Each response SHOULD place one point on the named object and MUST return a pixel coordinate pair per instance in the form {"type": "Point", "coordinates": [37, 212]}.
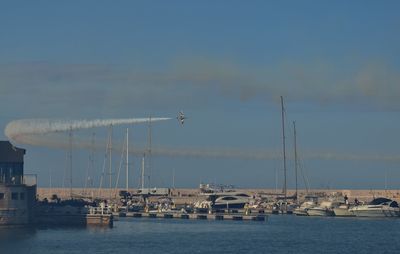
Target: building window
{"type": "Point", "coordinates": [1, 196]}
{"type": "Point", "coordinates": [22, 196]}
{"type": "Point", "coordinates": [14, 196]}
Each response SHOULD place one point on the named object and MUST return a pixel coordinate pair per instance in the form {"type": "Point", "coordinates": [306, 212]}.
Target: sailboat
{"type": "Point", "coordinates": [284, 205]}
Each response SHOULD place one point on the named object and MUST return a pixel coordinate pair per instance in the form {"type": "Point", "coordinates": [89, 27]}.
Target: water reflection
{"type": "Point", "coordinates": [15, 239]}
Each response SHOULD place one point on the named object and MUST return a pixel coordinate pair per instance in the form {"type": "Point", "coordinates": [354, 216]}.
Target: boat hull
{"type": "Point", "coordinates": [375, 212]}
{"type": "Point", "coordinates": [300, 212]}
{"type": "Point", "coordinates": [343, 212]}
{"type": "Point", "coordinates": [319, 212]}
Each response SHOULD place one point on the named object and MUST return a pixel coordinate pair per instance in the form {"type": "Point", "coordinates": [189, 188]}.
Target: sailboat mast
{"type": "Point", "coordinates": [110, 159]}
{"type": "Point", "coordinates": [70, 160]}
{"type": "Point", "coordinates": [173, 178]}
{"type": "Point", "coordinates": [142, 178]}
{"type": "Point", "coordinates": [295, 154]}
{"type": "Point", "coordinates": [284, 150]}
{"type": "Point", "coordinates": [149, 152]}
{"type": "Point", "coordinates": [127, 159]}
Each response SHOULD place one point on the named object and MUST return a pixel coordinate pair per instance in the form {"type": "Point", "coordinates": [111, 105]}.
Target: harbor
{"type": "Point", "coordinates": [178, 127]}
{"type": "Point", "coordinates": [246, 204]}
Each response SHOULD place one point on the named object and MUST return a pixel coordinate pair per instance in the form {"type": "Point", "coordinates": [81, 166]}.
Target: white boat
{"type": "Point", "coordinates": [379, 207]}
{"type": "Point", "coordinates": [311, 201]}
{"type": "Point", "coordinates": [324, 209]}
{"type": "Point", "coordinates": [343, 210]}
{"type": "Point", "coordinates": [231, 201]}
{"type": "Point", "coordinates": [224, 200]}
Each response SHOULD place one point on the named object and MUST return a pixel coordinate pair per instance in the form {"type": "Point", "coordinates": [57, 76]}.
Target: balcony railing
{"type": "Point", "coordinates": [29, 180]}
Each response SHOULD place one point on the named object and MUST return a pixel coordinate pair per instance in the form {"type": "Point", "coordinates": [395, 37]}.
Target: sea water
{"type": "Point", "coordinates": [280, 234]}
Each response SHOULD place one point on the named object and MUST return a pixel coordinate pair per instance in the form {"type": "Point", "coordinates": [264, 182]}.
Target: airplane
{"type": "Point", "coordinates": [181, 117]}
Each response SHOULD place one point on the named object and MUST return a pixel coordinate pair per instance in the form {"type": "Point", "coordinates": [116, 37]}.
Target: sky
{"type": "Point", "coordinates": [225, 64]}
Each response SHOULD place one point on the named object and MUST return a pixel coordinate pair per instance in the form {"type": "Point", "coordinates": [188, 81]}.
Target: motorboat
{"type": "Point", "coordinates": [224, 200]}
{"type": "Point", "coordinates": [283, 207]}
{"type": "Point", "coordinates": [324, 209]}
{"type": "Point", "coordinates": [379, 207]}
{"type": "Point", "coordinates": [235, 201]}
{"type": "Point", "coordinates": [310, 201]}
{"type": "Point", "coordinates": [343, 210]}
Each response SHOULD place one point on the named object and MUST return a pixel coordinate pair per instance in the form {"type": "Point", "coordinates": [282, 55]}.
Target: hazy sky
{"type": "Point", "coordinates": [225, 63]}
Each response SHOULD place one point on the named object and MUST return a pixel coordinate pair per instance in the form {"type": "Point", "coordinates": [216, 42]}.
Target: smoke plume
{"type": "Point", "coordinates": [22, 130]}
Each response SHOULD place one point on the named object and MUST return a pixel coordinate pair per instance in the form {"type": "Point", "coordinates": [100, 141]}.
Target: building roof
{"type": "Point", "coordinates": [10, 153]}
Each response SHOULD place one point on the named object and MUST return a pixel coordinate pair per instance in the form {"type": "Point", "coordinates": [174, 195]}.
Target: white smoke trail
{"type": "Point", "coordinates": [38, 132]}
{"type": "Point", "coordinates": [19, 130]}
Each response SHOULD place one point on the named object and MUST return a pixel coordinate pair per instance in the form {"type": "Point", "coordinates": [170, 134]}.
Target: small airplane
{"type": "Point", "coordinates": [181, 117]}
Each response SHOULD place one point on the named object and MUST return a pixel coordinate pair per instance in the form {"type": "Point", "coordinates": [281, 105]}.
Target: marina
{"type": "Point", "coordinates": [30, 206]}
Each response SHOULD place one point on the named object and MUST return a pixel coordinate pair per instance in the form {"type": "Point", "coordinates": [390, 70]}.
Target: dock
{"type": "Point", "coordinates": [194, 216]}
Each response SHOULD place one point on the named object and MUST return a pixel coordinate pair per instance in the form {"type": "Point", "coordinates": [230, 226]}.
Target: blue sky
{"type": "Point", "coordinates": [225, 63]}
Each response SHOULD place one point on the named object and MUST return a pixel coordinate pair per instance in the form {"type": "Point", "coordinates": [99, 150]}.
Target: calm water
{"type": "Point", "coordinates": [281, 234]}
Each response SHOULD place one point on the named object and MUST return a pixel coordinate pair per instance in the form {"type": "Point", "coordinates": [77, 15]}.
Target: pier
{"type": "Point", "coordinates": [195, 216]}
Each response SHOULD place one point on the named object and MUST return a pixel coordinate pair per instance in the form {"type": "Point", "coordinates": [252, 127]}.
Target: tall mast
{"type": "Point", "coordinates": [284, 150]}
{"type": "Point", "coordinates": [149, 153]}
{"type": "Point", "coordinates": [142, 178]}
{"type": "Point", "coordinates": [90, 168]}
{"type": "Point", "coordinates": [110, 159]}
{"type": "Point", "coordinates": [50, 183]}
{"type": "Point", "coordinates": [173, 178]}
{"type": "Point", "coordinates": [70, 161]}
{"type": "Point", "coordinates": [127, 159]}
{"type": "Point", "coordinates": [386, 180]}
{"type": "Point", "coordinates": [295, 154]}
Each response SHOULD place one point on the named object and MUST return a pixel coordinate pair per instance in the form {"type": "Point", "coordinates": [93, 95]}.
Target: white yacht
{"type": "Point", "coordinates": [324, 209]}
{"type": "Point", "coordinates": [310, 201]}
{"type": "Point", "coordinates": [224, 200]}
{"type": "Point", "coordinates": [379, 207]}
{"type": "Point", "coordinates": [231, 201]}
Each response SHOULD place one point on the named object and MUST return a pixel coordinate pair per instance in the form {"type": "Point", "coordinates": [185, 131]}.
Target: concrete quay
{"type": "Point", "coordinates": [195, 216]}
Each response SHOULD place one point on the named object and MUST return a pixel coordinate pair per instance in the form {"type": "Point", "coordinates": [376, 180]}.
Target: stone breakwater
{"type": "Point", "coordinates": [182, 196]}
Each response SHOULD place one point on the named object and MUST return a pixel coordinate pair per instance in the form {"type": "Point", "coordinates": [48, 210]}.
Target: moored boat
{"type": "Point", "coordinates": [324, 209]}
{"type": "Point", "coordinates": [379, 207]}
{"type": "Point", "coordinates": [311, 201]}
{"type": "Point", "coordinates": [343, 210]}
